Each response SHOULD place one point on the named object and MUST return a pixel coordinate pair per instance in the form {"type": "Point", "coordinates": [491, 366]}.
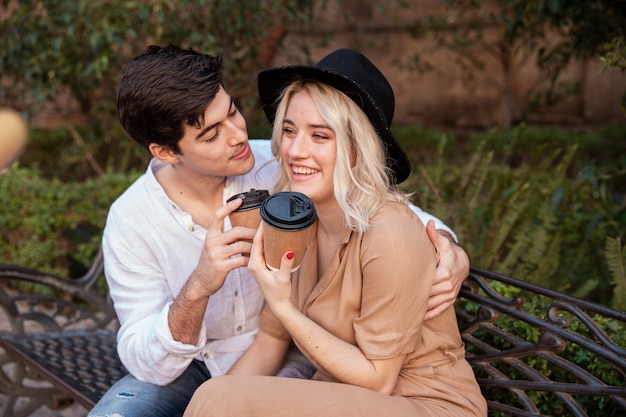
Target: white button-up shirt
{"type": "Point", "coordinates": [151, 247]}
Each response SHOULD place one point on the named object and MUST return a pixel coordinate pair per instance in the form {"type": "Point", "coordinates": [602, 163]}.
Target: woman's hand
{"type": "Point", "coordinates": [275, 285]}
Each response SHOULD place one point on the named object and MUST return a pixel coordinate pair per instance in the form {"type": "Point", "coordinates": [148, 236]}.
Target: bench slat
{"type": "Point", "coordinates": [82, 363]}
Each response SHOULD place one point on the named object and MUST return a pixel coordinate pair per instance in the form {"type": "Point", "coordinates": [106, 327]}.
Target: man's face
{"type": "Point", "coordinates": [220, 146]}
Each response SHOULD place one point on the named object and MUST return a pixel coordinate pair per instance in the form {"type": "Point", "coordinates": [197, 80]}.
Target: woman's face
{"type": "Point", "coordinates": [308, 149]}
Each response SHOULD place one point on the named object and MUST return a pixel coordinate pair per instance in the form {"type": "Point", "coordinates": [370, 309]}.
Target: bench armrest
{"type": "Point", "coordinates": [535, 350]}
{"type": "Point", "coordinates": [33, 301]}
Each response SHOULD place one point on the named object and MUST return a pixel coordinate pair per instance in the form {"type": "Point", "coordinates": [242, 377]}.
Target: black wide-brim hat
{"type": "Point", "coordinates": [352, 73]}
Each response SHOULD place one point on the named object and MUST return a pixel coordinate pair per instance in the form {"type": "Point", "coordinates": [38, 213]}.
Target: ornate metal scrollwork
{"type": "Point", "coordinates": [536, 351]}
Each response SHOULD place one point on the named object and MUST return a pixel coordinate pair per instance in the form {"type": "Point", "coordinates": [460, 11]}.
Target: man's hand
{"type": "Point", "coordinates": [452, 269]}
{"type": "Point", "coordinates": [218, 254]}
{"type": "Point", "coordinates": [216, 261]}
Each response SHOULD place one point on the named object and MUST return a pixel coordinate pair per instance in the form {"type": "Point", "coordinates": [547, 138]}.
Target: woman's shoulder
{"type": "Point", "coordinates": [394, 210]}
{"type": "Point", "coordinates": [396, 230]}
{"type": "Point", "coordinates": [396, 219]}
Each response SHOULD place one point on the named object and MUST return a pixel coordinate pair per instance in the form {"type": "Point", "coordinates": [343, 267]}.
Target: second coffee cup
{"type": "Point", "coordinates": [288, 219]}
{"type": "Point", "coordinates": [248, 213]}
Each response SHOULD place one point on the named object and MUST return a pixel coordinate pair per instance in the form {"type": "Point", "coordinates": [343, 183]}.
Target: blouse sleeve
{"type": "Point", "coordinates": [398, 263]}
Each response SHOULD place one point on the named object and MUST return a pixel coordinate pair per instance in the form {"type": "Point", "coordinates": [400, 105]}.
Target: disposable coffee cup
{"type": "Point", "coordinates": [248, 214]}
{"type": "Point", "coordinates": [288, 219]}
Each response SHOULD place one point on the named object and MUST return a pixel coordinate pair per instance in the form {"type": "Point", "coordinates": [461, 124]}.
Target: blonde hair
{"type": "Point", "coordinates": [361, 181]}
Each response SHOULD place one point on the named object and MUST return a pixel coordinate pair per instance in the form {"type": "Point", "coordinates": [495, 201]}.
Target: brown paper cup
{"type": "Point", "coordinates": [248, 218]}
{"type": "Point", "coordinates": [276, 242]}
{"type": "Point", "coordinates": [248, 214]}
{"type": "Point", "coordinates": [289, 223]}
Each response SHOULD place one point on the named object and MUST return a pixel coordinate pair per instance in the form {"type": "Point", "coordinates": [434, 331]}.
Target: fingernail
{"type": "Point", "coordinates": [290, 255]}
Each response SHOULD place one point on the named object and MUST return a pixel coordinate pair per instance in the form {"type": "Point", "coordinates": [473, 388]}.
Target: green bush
{"type": "Point", "coordinates": [529, 206]}
{"type": "Point", "coordinates": [82, 152]}
{"type": "Point", "coordinates": [52, 225]}
{"type": "Point", "coordinates": [539, 204]}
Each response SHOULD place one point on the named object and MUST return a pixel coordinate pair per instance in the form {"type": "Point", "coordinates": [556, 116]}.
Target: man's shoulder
{"type": "Point", "coordinates": [134, 196]}
{"type": "Point", "coordinates": [262, 148]}
{"type": "Point", "coordinates": [265, 172]}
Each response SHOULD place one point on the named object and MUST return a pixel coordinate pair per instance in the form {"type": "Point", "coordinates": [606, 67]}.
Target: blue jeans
{"type": "Point", "coordinates": [130, 397]}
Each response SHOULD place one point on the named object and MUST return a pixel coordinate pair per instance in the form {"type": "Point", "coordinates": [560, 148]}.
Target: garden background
{"type": "Point", "coordinates": [512, 113]}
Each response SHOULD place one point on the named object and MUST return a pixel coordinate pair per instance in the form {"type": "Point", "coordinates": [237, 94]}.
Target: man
{"type": "Point", "coordinates": [187, 305]}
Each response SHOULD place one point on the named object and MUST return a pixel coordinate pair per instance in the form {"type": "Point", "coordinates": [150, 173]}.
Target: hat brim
{"type": "Point", "coordinates": [272, 82]}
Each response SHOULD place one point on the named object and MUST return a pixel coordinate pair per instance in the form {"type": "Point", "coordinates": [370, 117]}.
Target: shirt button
{"type": "Point", "coordinates": [206, 356]}
{"type": "Point", "coordinates": [236, 293]}
{"type": "Point", "coordinates": [239, 328]}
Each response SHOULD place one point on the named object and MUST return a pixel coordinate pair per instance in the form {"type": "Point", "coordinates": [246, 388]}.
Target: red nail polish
{"type": "Point", "coordinates": [290, 255]}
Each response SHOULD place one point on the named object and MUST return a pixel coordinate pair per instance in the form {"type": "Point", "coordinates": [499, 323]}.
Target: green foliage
{"type": "Point", "coordinates": [51, 225]}
{"type": "Point", "coordinates": [56, 47]}
{"type": "Point", "coordinates": [529, 207]}
{"type": "Point", "coordinates": [82, 45]}
{"type": "Point", "coordinates": [616, 260]}
{"type": "Point", "coordinates": [426, 140]}
{"type": "Point", "coordinates": [615, 55]}
{"type": "Point", "coordinates": [93, 153]}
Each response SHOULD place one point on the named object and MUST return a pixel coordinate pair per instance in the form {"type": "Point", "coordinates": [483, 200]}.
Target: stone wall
{"type": "Point", "coordinates": [445, 95]}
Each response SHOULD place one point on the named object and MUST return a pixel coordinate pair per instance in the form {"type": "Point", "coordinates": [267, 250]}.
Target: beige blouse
{"type": "Point", "coordinates": [374, 295]}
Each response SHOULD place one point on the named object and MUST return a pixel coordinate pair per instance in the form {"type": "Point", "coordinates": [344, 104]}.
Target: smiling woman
{"type": "Point", "coordinates": [355, 307]}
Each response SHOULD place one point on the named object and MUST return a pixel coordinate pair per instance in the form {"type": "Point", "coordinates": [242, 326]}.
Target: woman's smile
{"type": "Point", "coordinates": [300, 170]}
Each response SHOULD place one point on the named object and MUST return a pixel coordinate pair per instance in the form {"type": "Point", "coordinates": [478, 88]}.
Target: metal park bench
{"type": "Point", "coordinates": [58, 341]}
{"type": "Point", "coordinates": [534, 351]}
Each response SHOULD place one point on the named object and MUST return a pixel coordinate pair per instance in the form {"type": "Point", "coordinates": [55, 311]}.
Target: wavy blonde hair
{"type": "Point", "coordinates": [361, 181]}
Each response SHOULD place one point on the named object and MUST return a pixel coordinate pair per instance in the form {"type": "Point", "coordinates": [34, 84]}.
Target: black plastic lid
{"type": "Point", "coordinates": [251, 199]}
{"type": "Point", "coordinates": [288, 210]}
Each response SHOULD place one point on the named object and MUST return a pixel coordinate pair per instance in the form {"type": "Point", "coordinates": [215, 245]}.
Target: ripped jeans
{"type": "Point", "coordinates": [130, 397]}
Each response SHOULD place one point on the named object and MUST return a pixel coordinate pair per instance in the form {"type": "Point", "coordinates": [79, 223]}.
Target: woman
{"type": "Point", "coordinates": [356, 305]}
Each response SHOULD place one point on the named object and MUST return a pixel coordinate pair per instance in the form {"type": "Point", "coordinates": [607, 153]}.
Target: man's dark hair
{"type": "Point", "coordinates": [165, 88]}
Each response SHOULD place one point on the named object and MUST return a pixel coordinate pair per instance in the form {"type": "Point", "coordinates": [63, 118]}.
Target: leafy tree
{"type": "Point", "coordinates": [615, 54]}
{"type": "Point", "coordinates": [555, 32]}
{"type": "Point", "coordinates": [78, 47]}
